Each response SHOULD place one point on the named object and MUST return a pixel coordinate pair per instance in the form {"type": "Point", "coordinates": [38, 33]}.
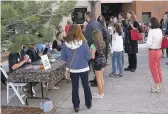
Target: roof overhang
{"type": "Point", "coordinates": [116, 1]}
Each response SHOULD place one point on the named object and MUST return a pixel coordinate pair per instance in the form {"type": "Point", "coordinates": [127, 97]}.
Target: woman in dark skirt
{"type": "Point", "coordinates": [131, 47]}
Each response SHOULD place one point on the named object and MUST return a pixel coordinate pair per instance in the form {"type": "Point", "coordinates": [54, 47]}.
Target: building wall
{"type": "Point", "coordinates": [125, 8]}
{"type": "Point", "coordinates": [157, 8]}
{"type": "Point", "coordinates": [98, 9]}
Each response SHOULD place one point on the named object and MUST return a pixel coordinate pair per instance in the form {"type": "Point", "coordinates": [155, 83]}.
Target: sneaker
{"type": "Point", "coordinates": [120, 75]}
{"type": "Point", "coordinates": [133, 70]}
{"type": "Point", "coordinates": [112, 74]}
{"type": "Point", "coordinates": [94, 85]}
{"type": "Point", "coordinates": [56, 88]}
{"type": "Point", "coordinates": [76, 110]}
{"type": "Point", "coordinates": [154, 90]}
{"type": "Point", "coordinates": [92, 81]}
{"type": "Point", "coordinates": [127, 69]}
{"type": "Point", "coordinates": [97, 96]}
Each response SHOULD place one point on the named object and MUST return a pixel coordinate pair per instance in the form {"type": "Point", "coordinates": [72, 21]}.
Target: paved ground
{"type": "Point", "coordinates": [127, 95]}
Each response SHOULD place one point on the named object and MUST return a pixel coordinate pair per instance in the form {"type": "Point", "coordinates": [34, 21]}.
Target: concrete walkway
{"type": "Point", "coordinates": [127, 95]}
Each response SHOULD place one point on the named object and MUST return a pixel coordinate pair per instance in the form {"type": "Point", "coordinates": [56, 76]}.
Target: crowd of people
{"type": "Point", "coordinates": [88, 48]}
{"type": "Point", "coordinates": [92, 53]}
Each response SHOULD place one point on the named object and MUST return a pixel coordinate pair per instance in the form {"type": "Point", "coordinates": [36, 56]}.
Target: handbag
{"type": "Point", "coordinates": [67, 74]}
{"type": "Point", "coordinates": [165, 43]}
{"type": "Point", "coordinates": [135, 35]}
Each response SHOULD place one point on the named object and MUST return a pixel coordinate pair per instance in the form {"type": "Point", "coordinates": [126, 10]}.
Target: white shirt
{"type": "Point", "coordinates": [154, 40]}
{"type": "Point", "coordinates": [117, 43]}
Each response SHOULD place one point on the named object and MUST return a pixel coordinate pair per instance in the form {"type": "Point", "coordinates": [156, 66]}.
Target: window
{"type": "Point", "coordinates": [145, 17]}
{"type": "Point", "coordinates": [78, 16]}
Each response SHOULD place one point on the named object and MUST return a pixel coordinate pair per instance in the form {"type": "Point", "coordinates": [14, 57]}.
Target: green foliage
{"type": "Point", "coordinates": [7, 12]}
{"type": "Point", "coordinates": [22, 21]}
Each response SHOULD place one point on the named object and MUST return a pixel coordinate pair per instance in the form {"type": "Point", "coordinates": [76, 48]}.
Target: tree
{"type": "Point", "coordinates": [93, 8]}
{"type": "Point", "coordinates": [23, 21]}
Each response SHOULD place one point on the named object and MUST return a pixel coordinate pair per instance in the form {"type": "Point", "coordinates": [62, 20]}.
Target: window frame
{"type": "Point", "coordinates": [144, 13]}
{"type": "Point", "coordinates": [81, 10]}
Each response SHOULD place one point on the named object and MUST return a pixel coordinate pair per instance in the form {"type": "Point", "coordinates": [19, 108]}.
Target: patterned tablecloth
{"type": "Point", "coordinates": [33, 73]}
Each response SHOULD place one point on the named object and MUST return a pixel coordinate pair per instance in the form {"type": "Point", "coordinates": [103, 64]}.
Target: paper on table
{"type": "Point", "coordinates": [45, 62]}
{"type": "Point", "coordinates": [33, 67]}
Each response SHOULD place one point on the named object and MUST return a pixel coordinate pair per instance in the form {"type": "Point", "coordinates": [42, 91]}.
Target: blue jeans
{"type": "Point", "coordinates": [75, 89]}
{"type": "Point", "coordinates": [117, 58]}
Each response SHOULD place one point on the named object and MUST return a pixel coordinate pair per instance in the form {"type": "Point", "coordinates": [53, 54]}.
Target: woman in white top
{"type": "Point", "coordinates": [154, 42]}
{"type": "Point", "coordinates": [116, 50]}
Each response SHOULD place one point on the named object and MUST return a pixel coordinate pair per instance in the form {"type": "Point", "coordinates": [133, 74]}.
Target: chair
{"type": "Point", "coordinates": [15, 87]}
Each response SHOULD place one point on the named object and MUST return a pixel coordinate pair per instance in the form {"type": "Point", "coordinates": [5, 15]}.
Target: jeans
{"type": "Point", "coordinates": [118, 56]}
{"type": "Point", "coordinates": [75, 89]}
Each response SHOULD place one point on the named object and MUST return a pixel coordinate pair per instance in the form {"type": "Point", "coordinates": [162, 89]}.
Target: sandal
{"type": "Point", "coordinates": [154, 90]}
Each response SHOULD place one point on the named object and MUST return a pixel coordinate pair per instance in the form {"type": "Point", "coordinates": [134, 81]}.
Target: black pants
{"type": "Point", "coordinates": [75, 89]}
{"type": "Point", "coordinates": [106, 50]}
{"type": "Point", "coordinates": [132, 59]}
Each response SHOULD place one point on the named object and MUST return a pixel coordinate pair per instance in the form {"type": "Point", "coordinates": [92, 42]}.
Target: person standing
{"type": "Point", "coordinates": [84, 26]}
{"type": "Point", "coordinates": [121, 21]}
{"type": "Point", "coordinates": [75, 52]}
{"type": "Point", "coordinates": [92, 26]}
{"type": "Point", "coordinates": [131, 47]}
{"type": "Point", "coordinates": [67, 26]}
{"type": "Point", "coordinates": [164, 27]}
{"type": "Point", "coordinates": [166, 34]}
{"type": "Point", "coordinates": [116, 50]}
{"type": "Point", "coordinates": [101, 20]}
{"type": "Point", "coordinates": [154, 42]}
{"type": "Point", "coordinates": [99, 60]}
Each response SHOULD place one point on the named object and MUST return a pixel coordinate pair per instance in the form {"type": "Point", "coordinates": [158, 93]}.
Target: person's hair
{"type": "Point", "coordinates": [154, 23]}
{"type": "Point", "coordinates": [58, 34]}
{"type": "Point", "coordinates": [74, 33]}
{"type": "Point", "coordinates": [89, 14]}
{"type": "Point", "coordinates": [133, 16]}
{"type": "Point", "coordinates": [118, 29]}
{"type": "Point", "coordinates": [98, 40]}
{"type": "Point", "coordinates": [137, 26]}
{"type": "Point", "coordinates": [122, 15]}
{"type": "Point", "coordinates": [98, 19]}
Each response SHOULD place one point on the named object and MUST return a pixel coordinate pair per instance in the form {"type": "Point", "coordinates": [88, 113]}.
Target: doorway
{"type": "Point", "coordinates": [111, 9]}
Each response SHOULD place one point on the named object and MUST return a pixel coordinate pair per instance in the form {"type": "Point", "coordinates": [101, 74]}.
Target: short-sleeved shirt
{"type": "Point", "coordinates": [99, 56]}
{"type": "Point", "coordinates": [13, 59]}
{"type": "Point", "coordinates": [93, 47]}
